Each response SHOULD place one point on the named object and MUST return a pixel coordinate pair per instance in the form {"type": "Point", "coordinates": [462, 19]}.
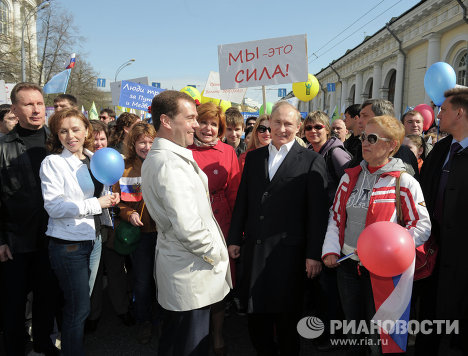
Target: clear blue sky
{"type": "Point", "coordinates": [175, 42]}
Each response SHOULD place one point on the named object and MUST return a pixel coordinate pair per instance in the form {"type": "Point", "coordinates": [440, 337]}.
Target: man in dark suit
{"type": "Point", "coordinates": [280, 219]}
{"type": "Point", "coordinates": [444, 181]}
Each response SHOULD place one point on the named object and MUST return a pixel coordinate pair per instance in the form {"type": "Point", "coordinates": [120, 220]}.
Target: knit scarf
{"type": "Point", "coordinates": [199, 143]}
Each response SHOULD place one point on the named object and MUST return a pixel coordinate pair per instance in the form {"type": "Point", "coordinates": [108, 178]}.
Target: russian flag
{"type": "Point", "coordinates": [72, 62]}
{"type": "Point", "coordinates": [130, 189]}
{"type": "Point", "coordinates": [392, 299]}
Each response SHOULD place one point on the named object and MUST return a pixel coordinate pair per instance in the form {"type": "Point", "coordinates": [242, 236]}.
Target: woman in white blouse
{"type": "Point", "coordinates": [72, 198]}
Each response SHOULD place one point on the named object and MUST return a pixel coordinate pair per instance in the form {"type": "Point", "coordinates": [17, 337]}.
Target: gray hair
{"type": "Point", "coordinates": [284, 102]}
{"type": "Point", "coordinates": [380, 107]}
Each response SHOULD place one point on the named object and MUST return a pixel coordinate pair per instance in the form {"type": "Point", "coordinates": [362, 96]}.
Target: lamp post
{"type": "Point", "coordinates": [26, 19]}
{"type": "Point", "coordinates": [126, 64]}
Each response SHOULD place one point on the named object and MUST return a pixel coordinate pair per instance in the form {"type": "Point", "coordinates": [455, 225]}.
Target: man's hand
{"type": "Point", "coordinates": [135, 219]}
{"type": "Point", "coordinates": [330, 261]}
{"type": "Point", "coordinates": [313, 268]}
{"type": "Point", "coordinates": [5, 253]}
{"type": "Point", "coordinates": [234, 251]}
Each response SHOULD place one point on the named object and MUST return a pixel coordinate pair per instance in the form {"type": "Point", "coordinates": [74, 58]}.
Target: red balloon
{"type": "Point", "coordinates": [427, 113]}
{"type": "Point", "coordinates": [385, 248]}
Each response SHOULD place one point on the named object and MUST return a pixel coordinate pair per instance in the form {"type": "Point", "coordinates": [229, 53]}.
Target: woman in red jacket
{"type": "Point", "coordinates": [219, 162]}
{"type": "Point", "coordinates": [367, 194]}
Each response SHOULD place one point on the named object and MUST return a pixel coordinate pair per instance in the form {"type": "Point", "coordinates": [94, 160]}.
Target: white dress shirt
{"type": "Point", "coordinates": [276, 157]}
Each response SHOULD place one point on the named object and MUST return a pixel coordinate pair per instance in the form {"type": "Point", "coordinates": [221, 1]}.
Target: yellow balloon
{"type": "Point", "coordinates": [205, 99]}
{"type": "Point", "coordinates": [225, 104]}
{"type": "Point", "coordinates": [306, 91]}
{"type": "Point", "coordinates": [193, 92]}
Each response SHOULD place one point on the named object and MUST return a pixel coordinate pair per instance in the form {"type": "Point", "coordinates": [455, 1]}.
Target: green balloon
{"type": "Point", "coordinates": [269, 106]}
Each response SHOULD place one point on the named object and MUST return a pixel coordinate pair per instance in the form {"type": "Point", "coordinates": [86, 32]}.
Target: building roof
{"type": "Point", "coordinates": [367, 38]}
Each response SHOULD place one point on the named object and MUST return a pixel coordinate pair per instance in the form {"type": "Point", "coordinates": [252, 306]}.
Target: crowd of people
{"type": "Point", "coordinates": [223, 210]}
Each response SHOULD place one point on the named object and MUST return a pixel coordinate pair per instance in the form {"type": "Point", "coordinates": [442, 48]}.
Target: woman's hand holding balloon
{"type": "Point", "coordinates": [109, 200]}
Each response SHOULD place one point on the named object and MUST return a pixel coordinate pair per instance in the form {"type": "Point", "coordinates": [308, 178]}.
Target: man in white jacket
{"type": "Point", "coordinates": [192, 264]}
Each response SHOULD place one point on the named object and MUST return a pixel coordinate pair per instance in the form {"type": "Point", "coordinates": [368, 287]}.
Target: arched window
{"type": "Point", "coordinates": [368, 88]}
{"type": "Point", "coordinates": [460, 67]}
{"type": "Point", "coordinates": [391, 87]}
{"type": "Point", "coordinates": [369, 92]}
{"type": "Point", "coordinates": [3, 18]}
{"type": "Point", "coordinates": [352, 95]}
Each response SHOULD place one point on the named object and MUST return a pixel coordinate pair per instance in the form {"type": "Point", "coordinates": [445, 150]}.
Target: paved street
{"type": "Point", "coordinates": [112, 338]}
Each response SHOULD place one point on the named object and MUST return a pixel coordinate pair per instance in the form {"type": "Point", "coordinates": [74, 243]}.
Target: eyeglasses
{"type": "Point", "coordinates": [103, 117]}
{"type": "Point", "coordinates": [263, 129]}
{"type": "Point", "coordinates": [316, 127]}
{"type": "Point", "coordinates": [372, 138]}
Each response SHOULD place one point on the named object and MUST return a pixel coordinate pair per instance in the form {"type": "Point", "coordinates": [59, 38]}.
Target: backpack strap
{"type": "Point", "coordinates": [330, 165]}
{"type": "Point", "coordinates": [398, 200]}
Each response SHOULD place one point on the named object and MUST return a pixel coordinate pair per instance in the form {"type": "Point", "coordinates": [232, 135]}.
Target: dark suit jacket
{"type": "Point", "coordinates": [279, 224]}
{"type": "Point", "coordinates": [451, 234]}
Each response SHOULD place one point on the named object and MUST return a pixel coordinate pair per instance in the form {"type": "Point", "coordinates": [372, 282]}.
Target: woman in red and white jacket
{"type": "Point", "coordinates": [366, 194]}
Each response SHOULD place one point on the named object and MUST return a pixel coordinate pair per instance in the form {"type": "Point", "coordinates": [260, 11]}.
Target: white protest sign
{"type": "Point", "coordinates": [213, 90]}
{"type": "Point", "coordinates": [8, 88]}
{"type": "Point", "coordinates": [266, 62]}
{"type": "Point", "coordinates": [3, 94]}
{"type": "Point", "coordinates": [5, 91]}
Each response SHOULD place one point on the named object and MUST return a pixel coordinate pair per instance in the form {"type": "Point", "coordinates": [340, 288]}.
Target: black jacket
{"type": "Point", "coordinates": [451, 234]}
{"type": "Point", "coordinates": [23, 219]}
{"type": "Point", "coordinates": [353, 144]}
{"type": "Point", "coordinates": [279, 224]}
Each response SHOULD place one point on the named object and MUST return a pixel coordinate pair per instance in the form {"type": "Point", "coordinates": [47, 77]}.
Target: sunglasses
{"type": "Point", "coordinates": [316, 127]}
{"type": "Point", "coordinates": [263, 129]}
{"type": "Point", "coordinates": [372, 138]}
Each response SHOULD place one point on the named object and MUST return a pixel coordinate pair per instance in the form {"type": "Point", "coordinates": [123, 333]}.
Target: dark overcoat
{"type": "Point", "coordinates": [279, 224]}
{"type": "Point", "coordinates": [452, 233]}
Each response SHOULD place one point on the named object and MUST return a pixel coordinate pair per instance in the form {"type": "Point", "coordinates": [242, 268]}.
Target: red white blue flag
{"type": "Point", "coordinates": [72, 62]}
{"type": "Point", "coordinates": [130, 189]}
{"type": "Point", "coordinates": [392, 299]}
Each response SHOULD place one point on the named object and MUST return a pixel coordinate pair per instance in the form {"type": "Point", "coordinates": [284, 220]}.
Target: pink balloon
{"type": "Point", "coordinates": [385, 248]}
{"type": "Point", "coordinates": [427, 114]}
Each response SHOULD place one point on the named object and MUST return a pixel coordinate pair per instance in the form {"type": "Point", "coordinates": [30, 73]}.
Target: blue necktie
{"type": "Point", "coordinates": [443, 182]}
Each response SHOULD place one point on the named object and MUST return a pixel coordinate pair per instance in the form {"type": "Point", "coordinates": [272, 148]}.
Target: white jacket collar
{"type": "Point", "coordinates": [72, 160]}
{"type": "Point", "coordinates": [164, 144]}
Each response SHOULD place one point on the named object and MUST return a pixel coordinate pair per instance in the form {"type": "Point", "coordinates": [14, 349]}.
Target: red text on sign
{"type": "Point", "coordinates": [278, 51]}
{"type": "Point", "coordinates": [254, 75]}
{"type": "Point", "coordinates": [246, 56]}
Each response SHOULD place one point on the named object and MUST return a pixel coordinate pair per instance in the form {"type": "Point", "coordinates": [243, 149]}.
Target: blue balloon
{"type": "Point", "coordinates": [439, 77]}
{"type": "Point", "coordinates": [107, 166]}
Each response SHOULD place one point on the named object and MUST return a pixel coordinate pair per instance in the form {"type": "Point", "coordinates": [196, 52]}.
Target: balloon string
{"type": "Point", "coordinates": [112, 209]}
